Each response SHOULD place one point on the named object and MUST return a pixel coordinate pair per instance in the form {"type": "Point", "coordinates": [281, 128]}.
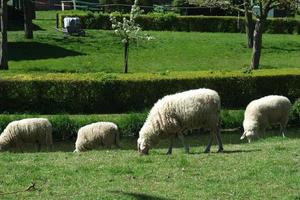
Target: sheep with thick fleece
{"type": "Point", "coordinates": [32, 130]}
{"type": "Point", "coordinates": [264, 112]}
{"type": "Point", "coordinates": [173, 114]}
{"type": "Point", "coordinates": [96, 134]}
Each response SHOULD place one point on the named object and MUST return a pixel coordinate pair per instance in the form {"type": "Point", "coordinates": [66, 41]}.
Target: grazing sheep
{"type": "Point", "coordinates": [264, 112]}
{"type": "Point", "coordinates": [95, 134]}
{"type": "Point", "coordinates": [33, 130]}
{"type": "Point", "coordinates": [174, 114]}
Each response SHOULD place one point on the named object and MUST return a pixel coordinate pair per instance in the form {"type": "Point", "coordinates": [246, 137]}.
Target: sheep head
{"type": "Point", "coordinates": [143, 146]}
{"type": "Point", "coordinates": [249, 134]}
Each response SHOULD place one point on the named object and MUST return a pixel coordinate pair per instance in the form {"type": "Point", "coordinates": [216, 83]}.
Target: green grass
{"type": "Point", "coordinates": [264, 169]}
{"type": "Point", "coordinates": [102, 51]}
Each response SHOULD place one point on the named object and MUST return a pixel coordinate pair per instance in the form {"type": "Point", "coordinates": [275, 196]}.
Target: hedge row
{"type": "Point", "coordinates": [116, 93]}
{"type": "Point", "coordinates": [65, 127]}
{"type": "Point", "coordinates": [171, 22]}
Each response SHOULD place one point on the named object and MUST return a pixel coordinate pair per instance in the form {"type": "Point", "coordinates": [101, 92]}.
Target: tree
{"type": "Point", "coordinates": [3, 42]}
{"type": "Point", "coordinates": [28, 15]}
{"type": "Point", "coordinates": [243, 6]}
{"type": "Point", "coordinates": [264, 7]}
{"type": "Point", "coordinates": [128, 30]}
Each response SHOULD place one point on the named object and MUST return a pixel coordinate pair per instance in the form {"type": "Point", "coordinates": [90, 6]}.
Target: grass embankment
{"type": "Point", "coordinates": [264, 169]}
{"type": "Point", "coordinates": [102, 51]}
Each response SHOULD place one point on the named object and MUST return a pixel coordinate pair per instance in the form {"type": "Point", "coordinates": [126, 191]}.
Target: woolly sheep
{"type": "Point", "coordinates": [95, 134]}
{"type": "Point", "coordinates": [174, 114]}
{"type": "Point", "coordinates": [32, 130]}
{"type": "Point", "coordinates": [264, 112]}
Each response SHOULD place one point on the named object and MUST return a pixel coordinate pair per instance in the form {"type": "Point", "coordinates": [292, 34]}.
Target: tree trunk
{"type": "Point", "coordinates": [28, 14]}
{"type": "Point", "coordinates": [257, 43]}
{"type": "Point", "coordinates": [249, 27]}
{"type": "Point", "coordinates": [3, 42]}
{"type": "Point", "coordinates": [126, 51]}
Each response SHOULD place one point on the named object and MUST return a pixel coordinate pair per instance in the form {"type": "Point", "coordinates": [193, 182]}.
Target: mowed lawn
{"type": "Point", "coordinates": [101, 50]}
{"type": "Point", "coordinates": [265, 169]}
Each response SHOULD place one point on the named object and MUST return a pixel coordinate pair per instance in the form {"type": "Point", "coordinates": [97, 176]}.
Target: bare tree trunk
{"type": "Point", "coordinates": [3, 42]}
{"type": "Point", "coordinates": [257, 43]}
{"type": "Point", "coordinates": [249, 27]}
{"type": "Point", "coordinates": [28, 14]}
{"type": "Point", "coordinates": [126, 51]}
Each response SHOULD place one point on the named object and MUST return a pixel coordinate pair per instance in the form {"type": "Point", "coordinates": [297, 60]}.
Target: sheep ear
{"type": "Point", "coordinates": [243, 136]}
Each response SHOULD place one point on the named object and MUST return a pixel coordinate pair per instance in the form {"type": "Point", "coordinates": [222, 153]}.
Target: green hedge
{"type": "Point", "coordinates": [171, 22]}
{"type": "Point", "coordinates": [65, 127]}
{"type": "Point", "coordinates": [116, 93]}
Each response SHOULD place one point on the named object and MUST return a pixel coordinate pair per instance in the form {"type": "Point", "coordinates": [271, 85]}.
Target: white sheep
{"type": "Point", "coordinates": [32, 130]}
{"type": "Point", "coordinates": [264, 112]}
{"type": "Point", "coordinates": [174, 114]}
{"type": "Point", "coordinates": [96, 134]}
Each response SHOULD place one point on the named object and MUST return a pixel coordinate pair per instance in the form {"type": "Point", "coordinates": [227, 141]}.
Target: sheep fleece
{"type": "Point", "coordinates": [27, 131]}
{"type": "Point", "coordinates": [95, 134]}
{"type": "Point", "coordinates": [265, 111]}
{"type": "Point", "coordinates": [191, 109]}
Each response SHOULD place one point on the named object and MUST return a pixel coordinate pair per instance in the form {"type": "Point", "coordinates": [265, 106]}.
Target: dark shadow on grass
{"type": "Point", "coordinates": [240, 151]}
{"type": "Point", "coordinates": [139, 196]}
{"type": "Point", "coordinates": [293, 48]}
{"type": "Point", "coordinates": [35, 51]}
{"type": "Point", "coordinates": [18, 25]}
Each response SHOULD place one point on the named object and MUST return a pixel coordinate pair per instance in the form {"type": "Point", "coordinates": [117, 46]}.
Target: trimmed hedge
{"type": "Point", "coordinates": [116, 93]}
{"type": "Point", "coordinates": [172, 22]}
{"type": "Point", "coordinates": [65, 127]}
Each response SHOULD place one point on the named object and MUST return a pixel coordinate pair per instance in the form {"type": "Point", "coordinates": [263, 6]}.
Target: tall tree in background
{"type": "Point", "coordinates": [261, 17]}
{"type": "Point", "coordinates": [243, 6]}
{"type": "Point", "coordinates": [254, 35]}
{"type": "Point", "coordinates": [28, 15]}
{"type": "Point", "coordinates": [3, 42]}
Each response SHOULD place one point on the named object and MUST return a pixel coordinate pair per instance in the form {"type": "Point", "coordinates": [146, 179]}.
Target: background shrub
{"type": "Point", "coordinates": [173, 22]}
{"type": "Point", "coordinates": [296, 112]}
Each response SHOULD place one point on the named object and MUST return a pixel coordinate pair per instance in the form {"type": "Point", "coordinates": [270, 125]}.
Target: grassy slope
{"type": "Point", "coordinates": [173, 51]}
{"type": "Point", "coordinates": [264, 169]}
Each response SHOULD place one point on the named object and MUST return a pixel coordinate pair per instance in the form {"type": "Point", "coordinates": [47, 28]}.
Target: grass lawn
{"type": "Point", "coordinates": [264, 169]}
{"type": "Point", "coordinates": [102, 51]}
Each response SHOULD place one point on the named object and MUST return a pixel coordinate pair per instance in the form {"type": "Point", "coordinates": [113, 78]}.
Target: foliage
{"type": "Point", "coordinates": [296, 111]}
{"type": "Point", "coordinates": [65, 127]}
{"type": "Point", "coordinates": [91, 93]}
{"type": "Point", "coordinates": [172, 22]}
{"type": "Point", "coordinates": [128, 29]}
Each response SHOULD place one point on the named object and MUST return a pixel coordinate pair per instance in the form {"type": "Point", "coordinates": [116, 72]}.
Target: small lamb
{"type": "Point", "coordinates": [174, 114]}
{"type": "Point", "coordinates": [32, 130]}
{"type": "Point", "coordinates": [264, 112]}
{"type": "Point", "coordinates": [96, 134]}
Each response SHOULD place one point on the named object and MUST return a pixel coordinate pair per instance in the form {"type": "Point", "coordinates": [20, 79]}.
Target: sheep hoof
{"type": "Point", "coordinates": [220, 150]}
{"type": "Point", "coordinates": [207, 151]}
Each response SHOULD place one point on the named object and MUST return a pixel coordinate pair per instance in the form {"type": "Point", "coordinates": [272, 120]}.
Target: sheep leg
{"type": "Point", "coordinates": [282, 130]}
{"type": "Point", "coordinates": [186, 147]}
{"type": "Point", "coordinates": [171, 146]}
{"type": "Point", "coordinates": [219, 141]}
{"type": "Point", "coordinates": [207, 149]}
{"type": "Point", "coordinates": [19, 145]}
